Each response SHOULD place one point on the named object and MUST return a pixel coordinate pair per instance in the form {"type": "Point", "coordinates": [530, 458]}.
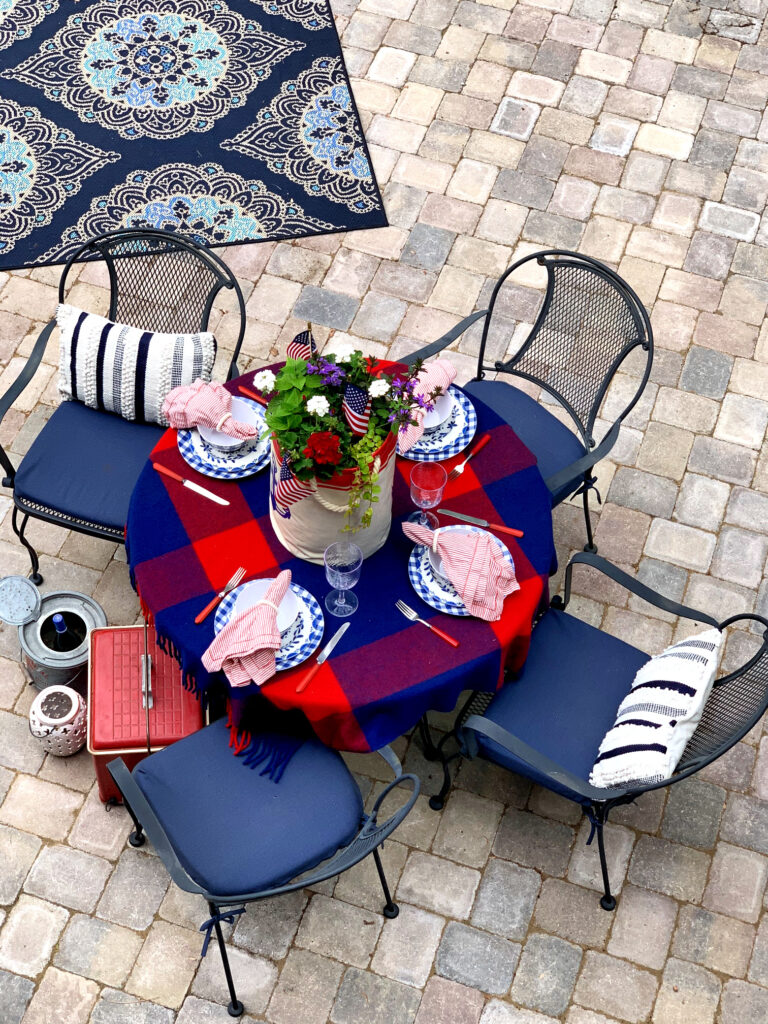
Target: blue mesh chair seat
{"type": "Point", "coordinates": [235, 836]}
{"type": "Point", "coordinates": [84, 464]}
{"type": "Point", "coordinates": [554, 445]}
{"type": "Point", "coordinates": [559, 703]}
{"type": "Point", "coordinates": [547, 724]}
{"type": "Point", "coordinates": [236, 831]}
{"type": "Point", "coordinates": [82, 468]}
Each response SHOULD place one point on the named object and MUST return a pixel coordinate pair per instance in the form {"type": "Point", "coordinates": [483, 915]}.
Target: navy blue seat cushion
{"type": "Point", "coordinates": [85, 463]}
{"type": "Point", "coordinates": [236, 831]}
{"type": "Point", "coordinates": [553, 444]}
{"type": "Point", "coordinates": [566, 697]}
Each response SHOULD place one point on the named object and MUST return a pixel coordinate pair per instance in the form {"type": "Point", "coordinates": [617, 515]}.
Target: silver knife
{"type": "Point", "coordinates": [322, 656]}
{"type": "Point", "coordinates": [190, 484]}
{"type": "Point", "coordinates": [482, 522]}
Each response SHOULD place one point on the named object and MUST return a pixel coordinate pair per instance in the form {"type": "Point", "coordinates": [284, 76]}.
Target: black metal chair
{"type": "Point", "coordinates": [547, 724]}
{"type": "Point", "coordinates": [81, 468]}
{"type": "Point", "coordinates": [587, 324]}
{"type": "Point", "coordinates": [232, 836]}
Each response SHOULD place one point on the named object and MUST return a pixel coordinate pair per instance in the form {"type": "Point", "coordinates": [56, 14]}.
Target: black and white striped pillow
{"type": "Point", "coordinates": [125, 370]}
{"type": "Point", "coordinates": [659, 715]}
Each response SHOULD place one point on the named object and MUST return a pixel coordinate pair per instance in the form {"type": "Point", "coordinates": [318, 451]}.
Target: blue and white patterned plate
{"type": "Point", "coordinates": [432, 588]}
{"type": "Point", "coordinates": [246, 461]}
{"type": "Point", "coordinates": [451, 437]}
{"type": "Point", "coordinates": [299, 641]}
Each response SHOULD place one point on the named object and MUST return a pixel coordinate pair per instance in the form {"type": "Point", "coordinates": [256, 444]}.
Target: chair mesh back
{"type": "Point", "coordinates": [159, 285]}
{"type": "Point", "coordinates": [583, 331]}
{"type": "Point", "coordinates": [732, 707]}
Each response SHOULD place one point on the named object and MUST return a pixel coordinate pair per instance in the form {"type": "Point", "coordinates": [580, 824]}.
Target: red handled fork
{"type": "Point", "coordinates": [458, 470]}
{"type": "Point", "coordinates": [409, 613]}
{"type": "Point", "coordinates": [233, 581]}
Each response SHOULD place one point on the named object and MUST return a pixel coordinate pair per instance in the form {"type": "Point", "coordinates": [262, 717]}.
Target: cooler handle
{"type": "Point", "coordinates": [147, 699]}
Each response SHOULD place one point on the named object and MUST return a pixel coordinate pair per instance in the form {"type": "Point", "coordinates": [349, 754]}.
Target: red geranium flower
{"type": "Point", "coordinates": [324, 446]}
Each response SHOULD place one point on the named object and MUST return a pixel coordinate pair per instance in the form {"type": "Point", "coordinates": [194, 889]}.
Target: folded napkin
{"type": "Point", "coordinates": [475, 565]}
{"type": "Point", "coordinates": [204, 405]}
{"type": "Point", "coordinates": [245, 648]}
{"type": "Point", "coordinates": [439, 373]}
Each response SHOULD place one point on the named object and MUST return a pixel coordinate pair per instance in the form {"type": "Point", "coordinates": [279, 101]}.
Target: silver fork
{"type": "Point", "coordinates": [458, 470]}
{"type": "Point", "coordinates": [231, 583]}
{"type": "Point", "coordinates": [409, 613]}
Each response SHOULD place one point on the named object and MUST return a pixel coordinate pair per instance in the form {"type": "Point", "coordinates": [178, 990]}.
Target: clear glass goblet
{"type": "Point", "coordinates": [343, 563]}
{"type": "Point", "coordinates": [428, 481]}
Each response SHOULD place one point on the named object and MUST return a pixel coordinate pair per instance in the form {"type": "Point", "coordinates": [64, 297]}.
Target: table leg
{"type": "Point", "coordinates": [428, 744]}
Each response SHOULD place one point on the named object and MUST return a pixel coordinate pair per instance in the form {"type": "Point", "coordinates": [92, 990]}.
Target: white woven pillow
{"type": "Point", "coordinates": [659, 715]}
{"type": "Point", "coordinates": [125, 370]}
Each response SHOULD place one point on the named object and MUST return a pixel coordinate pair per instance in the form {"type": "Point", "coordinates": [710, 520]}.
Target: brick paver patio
{"type": "Point", "coordinates": [632, 131]}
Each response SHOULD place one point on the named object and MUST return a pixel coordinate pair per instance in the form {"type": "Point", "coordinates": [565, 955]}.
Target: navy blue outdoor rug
{"type": "Point", "coordinates": [231, 120]}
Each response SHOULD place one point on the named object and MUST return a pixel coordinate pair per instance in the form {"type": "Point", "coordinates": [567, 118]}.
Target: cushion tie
{"type": "Point", "coordinates": [208, 926]}
{"type": "Point", "coordinates": [223, 420]}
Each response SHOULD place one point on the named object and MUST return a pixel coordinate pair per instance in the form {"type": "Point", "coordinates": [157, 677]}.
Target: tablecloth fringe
{"type": "Point", "coordinates": [277, 751]}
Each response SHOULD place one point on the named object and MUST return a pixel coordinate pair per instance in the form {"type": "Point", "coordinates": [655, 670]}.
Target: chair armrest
{"type": "Point", "coordinates": [538, 761]}
{"type": "Point", "coordinates": [13, 392]}
{"type": "Point", "coordinates": [443, 342]}
{"type": "Point", "coordinates": [586, 462]}
{"type": "Point", "coordinates": [633, 585]}
{"type": "Point", "coordinates": [392, 822]}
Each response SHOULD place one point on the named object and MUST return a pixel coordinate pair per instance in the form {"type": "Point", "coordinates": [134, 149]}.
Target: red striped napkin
{"type": "Point", "coordinates": [438, 373]}
{"type": "Point", "coordinates": [475, 565]}
{"type": "Point", "coordinates": [245, 648]}
{"type": "Point", "coordinates": [204, 405]}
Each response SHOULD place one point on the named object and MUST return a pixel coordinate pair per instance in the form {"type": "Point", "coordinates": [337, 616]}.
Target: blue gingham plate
{"type": "Point", "coordinates": [433, 588]}
{"type": "Point", "coordinates": [299, 641]}
{"type": "Point", "coordinates": [209, 461]}
{"type": "Point", "coordinates": [451, 437]}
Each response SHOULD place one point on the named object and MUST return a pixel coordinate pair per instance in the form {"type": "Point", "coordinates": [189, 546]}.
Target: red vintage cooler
{"type": "Point", "coordinates": [136, 701]}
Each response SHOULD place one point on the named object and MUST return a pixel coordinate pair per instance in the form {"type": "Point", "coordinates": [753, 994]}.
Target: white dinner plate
{"type": "Point", "coordinates": [251, 593]}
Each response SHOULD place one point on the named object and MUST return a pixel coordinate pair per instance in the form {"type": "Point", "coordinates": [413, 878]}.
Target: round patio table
{"type": "Point", "coordinates": [386, 672]}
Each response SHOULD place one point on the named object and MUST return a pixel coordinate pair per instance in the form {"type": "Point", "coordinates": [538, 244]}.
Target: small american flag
{"type": "Point", "coordinates": [288, 489]}
{"type": "Point", "coordinates": [303, 345]}
{"type": "Point", "coordinates": [357, 408]}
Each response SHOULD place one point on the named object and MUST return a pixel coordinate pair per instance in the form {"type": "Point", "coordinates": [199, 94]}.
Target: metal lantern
{"type": "Point", "coordinates": [58, 719]}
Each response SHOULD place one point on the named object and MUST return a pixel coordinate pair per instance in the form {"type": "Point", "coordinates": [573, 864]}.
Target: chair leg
{"type": "Point", "coordinates": [428, 744]}
{"type": "Point", "coordinates": [590, 545]}
{"type": "Point", "coordinates": [35, 576]}
{"type": "Point", "coordinates": [437, 802]}
{"type": "Point", "coordinates": [391, 909]}
{"type": "Point", "coordinates": [607, 900]}
{"type": "Point", "coordinates": [137, 837]}
{"type": "Point", "coordinates": [235, 1008]}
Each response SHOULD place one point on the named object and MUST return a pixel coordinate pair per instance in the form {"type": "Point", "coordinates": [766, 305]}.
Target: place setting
{"type": "Point", "coordinates": [445, 426]}
{"type": "Point", "coordinates": [461, 569]}
{"type": "Point", "coordinates": [218, 454]}
{"type": "Point", "coordinates": [218, 434]}
{"type": "Point", "coordinates": [268, 625]}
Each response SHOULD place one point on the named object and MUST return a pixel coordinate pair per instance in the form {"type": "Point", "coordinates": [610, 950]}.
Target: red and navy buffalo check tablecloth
{"type": "Point", "coordinates": [386, 672]}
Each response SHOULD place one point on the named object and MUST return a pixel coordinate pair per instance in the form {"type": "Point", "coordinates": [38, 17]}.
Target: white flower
{"type": "Point", "coordinates": [340, 352]}
{"type": "Point", "coordinates": [318, 405]}
{"type": "Point", "coordinates": [378, 388]}
{"type": "Point", "coordinates": [264, 380]}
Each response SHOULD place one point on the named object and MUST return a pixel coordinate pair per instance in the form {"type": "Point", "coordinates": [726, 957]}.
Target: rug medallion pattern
{"type": "Point", "coordinates": [246, 103]}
